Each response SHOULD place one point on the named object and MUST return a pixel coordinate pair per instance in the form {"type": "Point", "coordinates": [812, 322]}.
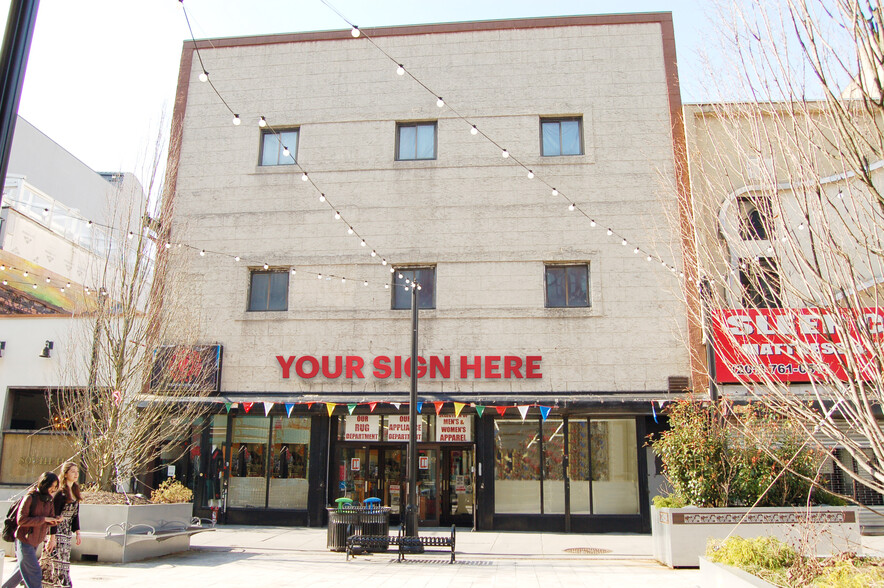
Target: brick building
{"type": "Point", "coordinates": [546, 337]}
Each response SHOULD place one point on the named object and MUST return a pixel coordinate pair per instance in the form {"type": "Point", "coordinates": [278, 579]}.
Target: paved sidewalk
{"type": "Point", "coordinates": [275, 556]}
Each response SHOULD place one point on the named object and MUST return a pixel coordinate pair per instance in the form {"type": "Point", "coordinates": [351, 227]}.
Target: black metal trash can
{"type": "Point", "coordinates": [375, 521]}
{"type": "Point", "coordinates": [342, 523]}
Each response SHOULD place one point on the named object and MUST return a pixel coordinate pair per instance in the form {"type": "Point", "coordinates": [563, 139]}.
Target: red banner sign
{"type": "Point", "coordinates": [791, 344]}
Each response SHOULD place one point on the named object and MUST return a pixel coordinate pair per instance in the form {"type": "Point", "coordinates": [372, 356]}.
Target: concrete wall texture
{"type": "Point", "coordinates": [471, 213]}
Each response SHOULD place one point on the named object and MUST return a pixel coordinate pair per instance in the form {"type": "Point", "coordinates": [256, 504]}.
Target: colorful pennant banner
{"type": "Point", "coordinates": [330, 407]}
{"type": "Point", "coordinates": [267, 407]}
{"type": "Point", "coordinates": [479, 410]}
{"type": "Point", "coordinates": [544, 411]}
{"type": "Point", "coordinates": [288, 408]}
{"type": "Point", "coordinates": [247, 406]}
{"type": "Point", "coordinates": [458, 406]}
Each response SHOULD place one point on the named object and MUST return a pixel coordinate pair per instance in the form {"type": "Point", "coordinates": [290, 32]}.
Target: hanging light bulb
{"type": "Point", "coordinates": [168, 245]}
{"type": "Point", "coordinates": [400, 276]}
{"type": "Point", "coordinates": [591, 223]}
{"type": "Point", "coordinates": [47, 280]}
{"type": "Point", "coordinates": [262, 122]}
{"type": "Point", "coordinates": [363, 243]}
{"type": "Point", "coordinates": [474, 130]}
{"type": "Point", "coordinates": [131, 234]}
{"type": "Point", "coordinates": [337, 215]}
{"type": "Point", "coordinates": [769, 249]}
{"type": "Point", "coordinates": [68, 285]}
{"type": "Point", "coordinates": [555, 192]}
{"type": "Point", "coordinates": [386, 286]}
{"type": "Point", "coordinates": [801, 227]}
{"type": "Point", "coordinates": [383, 262]}
{"type": "Point", "coordinates": [2, 268]}
{"type": "Point", "coordinates": [61, 290]}
{"type": "Point", "coordinates": [419, 287]}
{"type": "Point", "coordinates": [623, 242]}
{"type": "Point", "coordinates": [204, 76]}
{"type": "Point", "coordinates": [439, 102]}
{"type": "Point", "coordinates": [322, 197]}
{"type": "Point", "coordinates": [530, 175]}
{"type": "Point", "coordinates": [236, 258]}
{"type": "Point", "coordinates": [610, 232]}
{"type": "Point", "coordinates": [400, 70]}
{"type": "Point", "coordinates": [571, 207]}
{"type": "Point", "coordinates": [374, 253]}
{"type": "Point", "coordinates": [649, 258]}
{"type": "Point", "coordinates": [319, 277]}
{"type": "Point", "coordinates": [5, 283]}
{"type": "Point", "coordinates": [354, 31]}
{"type": "Point", "coordinates": [236, 120]}
{"type": "Point", "coordinates": [365, 283]}
{"type": "Point", "coordinates": [304, 177]}
{"type": "Point", "coordinates": [285, 151]}
{"type": "Point", "coordinates": [635, 250]}
{"type": "Point", "coordinates": [35, 286]}
{"type": "Point", "coordinates": [840, 194]}
{"type": "Point", "coordinates": [266, 266]}
{"type": "Point", "coordinates": [343, 280]}
{"type": "Point", "coordinates": [505, 154]}
{"type": "Point", "coordinates": [349, 230]}
{"type": "Point", "coordinates": [25, 274]}
{"type": "Point", "coordinates": [407, 280]}
{"type": "Point", "coordinates": [294, 271]}
{"type": "Point", "coordinates": [203, 253]}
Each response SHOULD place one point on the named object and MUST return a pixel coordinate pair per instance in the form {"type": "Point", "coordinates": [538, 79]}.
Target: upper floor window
{"type": "Point", "coordinates": [415, 141]}
{"type": "Point", "coordinates": [404, 277]}
{"type": "Point", "coordinates": [760, 282]}
{"type": "Point", "coordinates": [269, 290]}
{"type": "Point", "coordinates": [753, 214]}
{"type": "Point", "coordinates": [567, 285]}
{"type": "Point", "coordinates": [279, 147]}
{"type": "Point", "coordinates": [561, 136]}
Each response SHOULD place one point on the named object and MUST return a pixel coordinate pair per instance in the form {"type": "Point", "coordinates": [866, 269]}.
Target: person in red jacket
{"type": "Point", "coordinates": [36, 515]}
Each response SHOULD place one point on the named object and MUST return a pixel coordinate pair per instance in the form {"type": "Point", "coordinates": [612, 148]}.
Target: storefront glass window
{"type": "Point", "coordinates": [517, 466]}
{"type": "Point", "coordinates": [553, 472]}
{"type": "Point", "coordinates": [289, 456]}
{"type": "Point", "coordinates": [614, 467]}
{"type": "Point", "coordinates": [248, 467]}
{"type": "Point", "coordinates": [578, 466]}
{"type": "Point", "coordinates": [215, 465]}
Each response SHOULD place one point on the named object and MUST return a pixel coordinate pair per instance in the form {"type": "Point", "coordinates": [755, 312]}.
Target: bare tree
{"type": "Point", "coordinates": [145, 381]}
{"type": "Point", "coordinates": [789, 217]}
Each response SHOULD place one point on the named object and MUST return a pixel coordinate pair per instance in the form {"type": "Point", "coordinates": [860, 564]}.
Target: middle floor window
{"type": "Point", "coordinates": [415, 141]}
{"type": "Point", "coordinates": [567, 285]}
{"type": "Point", "coordinates": [269, 291]}
{"type": "Point", "coordinates": [404, 277]}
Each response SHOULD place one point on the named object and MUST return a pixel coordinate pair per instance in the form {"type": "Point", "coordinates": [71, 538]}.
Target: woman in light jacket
{"type": "Point", "coordinates": [36, 515]}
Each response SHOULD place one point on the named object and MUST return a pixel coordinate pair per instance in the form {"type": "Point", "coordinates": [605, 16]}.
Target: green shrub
{"type": "Point", "coordinates": [845, 575]}
{"type": "Point", "coordinates": [758, 553]}
{"type": "Point", "coordinates": [170, 492]}
{"type": "Point", "coordinates": [671, 501]}
{"type": "Point", "coordinates": [712, 462]}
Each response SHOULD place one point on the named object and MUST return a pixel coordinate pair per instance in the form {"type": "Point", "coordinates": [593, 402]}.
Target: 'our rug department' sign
{"type": "Point", "coordinates": [362, 427]}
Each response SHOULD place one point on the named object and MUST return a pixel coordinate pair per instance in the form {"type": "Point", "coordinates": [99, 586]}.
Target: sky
{"type": "Point", "coordinates": [102, 74]}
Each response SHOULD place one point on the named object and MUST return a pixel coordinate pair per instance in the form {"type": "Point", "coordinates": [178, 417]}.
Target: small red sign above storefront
{"type": "Point", "coordinates": [789, 345]}
{"type": "Point", "coordinates": [350, 367]}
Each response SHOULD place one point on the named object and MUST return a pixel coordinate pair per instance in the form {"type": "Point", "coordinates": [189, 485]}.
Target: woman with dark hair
{"type": "Point", "coordinates": [36, 514]}
{"type": "Point", "coordinates": [56, 562]}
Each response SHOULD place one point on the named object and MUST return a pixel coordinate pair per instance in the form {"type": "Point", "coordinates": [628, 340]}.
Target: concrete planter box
{"type": "Point", "coordinates": [120, 534]}
{"type": "Point", "coordinates": [680, 534]}
{"type": "Point", "coordinates": [716, 575]}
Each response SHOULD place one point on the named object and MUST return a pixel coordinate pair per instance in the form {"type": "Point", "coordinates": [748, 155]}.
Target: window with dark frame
{"type": "Point", "coordinates": [269, 290]}
{"type": "Point", "coordinates": [425, 277]}
{"type": "Point", "coordinates": [760, 283]}
{"type": "Point", "coordinates": [561, 136]}
{"type": "Point", "coordinates": [274, 145]}
{"type": "Point", "coordinates": [754, 213]}
{"type": "Point", "coordinates": [415, 141]}
{"type": "Point", "coordinates": [567, 286]}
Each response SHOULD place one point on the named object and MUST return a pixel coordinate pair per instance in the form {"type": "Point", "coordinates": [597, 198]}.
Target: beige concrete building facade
{"type": "Point", "coordinates": [524, 301]}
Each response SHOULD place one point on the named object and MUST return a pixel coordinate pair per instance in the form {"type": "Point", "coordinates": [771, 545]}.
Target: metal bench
{"type": "Point", "coordinates": [417, 544]}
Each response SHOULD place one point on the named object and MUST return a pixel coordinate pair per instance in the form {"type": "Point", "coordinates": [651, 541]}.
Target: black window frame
{"type": "Point", "coordinates": [269, 272]}
{"type": "Point", "coordinates": [549, 266]}
{"type": "Point", "coordinates": [398, 283]}
{"type": "Point", "coordinates": [293, 150]}
{"type": "Point", "coordinates": [561, 119]}
{"type": "Point", "coordinates": [415, 125]}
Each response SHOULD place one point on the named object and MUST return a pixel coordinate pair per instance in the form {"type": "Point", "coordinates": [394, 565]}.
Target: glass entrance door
{"type": "Point", "coordinates": [457, 486]}
{"type": "Point", "coordinates": [428, 487]}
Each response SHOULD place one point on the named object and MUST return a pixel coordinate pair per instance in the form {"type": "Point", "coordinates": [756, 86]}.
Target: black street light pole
{"type": "Point", "coordinates": [411, 510]}
{"type": "Point", "coordinates": [13, 62]}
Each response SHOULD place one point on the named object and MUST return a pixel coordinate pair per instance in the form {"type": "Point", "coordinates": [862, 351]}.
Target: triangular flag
{"type": "Point", "coordinates": [351, 407]}
{"type": "Point", "coordinates": [438, 406]}
{"type": "Point", "coordinates": [371, 406]}
{"type": "Point", "coordinates": [458, 406]}
{"type": "Point", "coordinates": [523, 410]}
{"type": "Point", "coordinates": [479, 410]}
{"type": "Point", "coordinates": [247, 406]}
{"type": "Point", "coordinates": [288, 408]}
{"type": "Point", "coordinates": [267, 407]}
{"type": "Point", "coordinates": [396, 404]}
{"type": "Point", "coordinates": [330, 407]}
{"type": "Point", "coordinates": [544, 411]}
{"type": "Point", "coordinates": [420, 405]}
{"type": "Point", "coordinates": [227, 405]}
{"type": "Point", "coordinates": [309, 405]}
{"type": "Point", "coordinates": [500, 410]}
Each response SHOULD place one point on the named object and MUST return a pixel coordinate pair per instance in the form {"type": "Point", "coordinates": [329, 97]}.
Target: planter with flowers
{"type": "Point", "coordinates": [728, 479]}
